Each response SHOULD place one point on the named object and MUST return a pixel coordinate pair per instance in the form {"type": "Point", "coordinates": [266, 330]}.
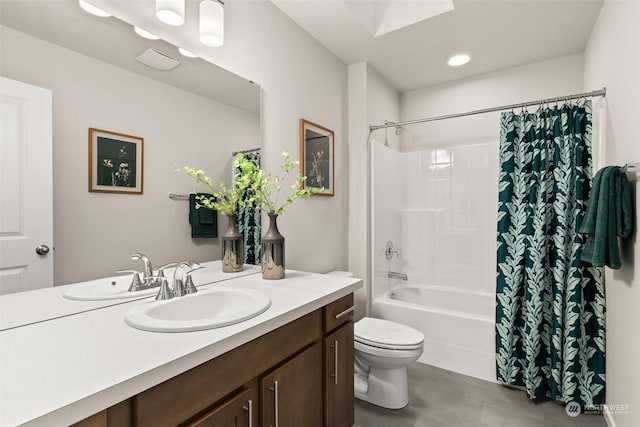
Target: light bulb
{"type": "Point", "coordinates": [171, 12]}
{"type": "Point", "coordinates": [458, 60]}
{"type": "Point", "coordinates": [211, 23]}
{"type": "Point", "coordinates": [93, 10]}
{"type": "Point", "coordinates": [185, 52]}
{"type": "Point", "coordinates": [144, 33]}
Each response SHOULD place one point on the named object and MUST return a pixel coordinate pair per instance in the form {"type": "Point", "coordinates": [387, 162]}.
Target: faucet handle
{"type": "Point", "coordinates": [136, 283]}
{"type": "Point", "coordinates": [165, 291]}
{"type": "Point", "coordinates": [188, 286]}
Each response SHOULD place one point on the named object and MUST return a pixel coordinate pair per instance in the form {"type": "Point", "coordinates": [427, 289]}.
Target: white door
{"type": "Point", "coordinates": [26, 211]}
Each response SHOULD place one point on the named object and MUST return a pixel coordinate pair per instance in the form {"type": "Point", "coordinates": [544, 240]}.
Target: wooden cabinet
{"type": "Point", "coordinates": [177, 400]}
{"type": "Point", "coordinates": [300, 373]}
{"type": "Point", "coordinates": [240, 410]}
{"type": "Point", "coordinates": [338, 363]}
{"type": "Point", "coordinates": [291, 395]}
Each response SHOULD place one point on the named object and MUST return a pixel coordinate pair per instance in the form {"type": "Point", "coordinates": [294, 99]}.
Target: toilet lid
{"type": "Point", "coordinates": [386, 334]}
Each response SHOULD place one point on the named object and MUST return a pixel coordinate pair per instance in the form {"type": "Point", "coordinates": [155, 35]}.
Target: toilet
{"type": "Point", "coordinates": [382, 352]}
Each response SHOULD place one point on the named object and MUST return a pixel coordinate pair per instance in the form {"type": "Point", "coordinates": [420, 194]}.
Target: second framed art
{"type": "Point", "coordinates": [317, 158]}
{"type": "Point", "coordinates": [115, 162]}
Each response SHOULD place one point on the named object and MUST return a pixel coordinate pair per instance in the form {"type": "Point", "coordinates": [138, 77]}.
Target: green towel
{"type": "Point", "coordinates": [204, 222]}
{"type": "Point", "coordinates": [608, 216]}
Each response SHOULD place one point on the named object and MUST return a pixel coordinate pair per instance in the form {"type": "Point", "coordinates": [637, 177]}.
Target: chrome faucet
{"type": "Point", "coordinates": [148, 270]}
{"type": "Point", "coordinates": [394, 275]}
{"type": "Point", "coordinates": [148, 279]}
{"type": "Point", "coordinates": [184, 285]}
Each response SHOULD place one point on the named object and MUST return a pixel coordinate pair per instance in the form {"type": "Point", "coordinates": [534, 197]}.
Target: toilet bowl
{"type": "Point", "coordinates": [382, 351]}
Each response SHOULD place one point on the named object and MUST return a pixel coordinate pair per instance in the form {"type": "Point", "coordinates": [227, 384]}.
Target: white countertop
{"type": "Point", "coordinates": [60, 371]}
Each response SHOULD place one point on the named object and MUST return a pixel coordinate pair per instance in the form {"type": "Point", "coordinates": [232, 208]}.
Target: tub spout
{"type": "Point", "coordinates": [394, 275]}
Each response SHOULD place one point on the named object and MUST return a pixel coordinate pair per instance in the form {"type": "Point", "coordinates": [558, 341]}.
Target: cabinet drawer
{"type": "Point", "coordinates": [338, 312]}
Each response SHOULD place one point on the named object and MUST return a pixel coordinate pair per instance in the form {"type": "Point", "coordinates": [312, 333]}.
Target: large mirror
{"type": "Point", "coordinates": [196, 114]}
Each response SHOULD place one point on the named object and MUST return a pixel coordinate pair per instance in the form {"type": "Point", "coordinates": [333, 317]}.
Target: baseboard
{"type": "Point", "coordinates": [608, 417]}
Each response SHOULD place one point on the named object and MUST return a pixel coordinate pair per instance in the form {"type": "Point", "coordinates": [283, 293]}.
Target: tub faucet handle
{"type": "Point", "coordinates": [390, 250]}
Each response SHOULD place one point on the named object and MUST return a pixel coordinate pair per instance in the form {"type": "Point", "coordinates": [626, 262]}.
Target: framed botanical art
{"type": "Point", "coordinates": [317, 158]}
{"type": "Point", "coordinates": [115, 162]}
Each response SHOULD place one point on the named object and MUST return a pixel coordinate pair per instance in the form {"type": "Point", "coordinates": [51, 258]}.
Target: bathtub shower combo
{"type": "Point", "coordinates": [436, 209]}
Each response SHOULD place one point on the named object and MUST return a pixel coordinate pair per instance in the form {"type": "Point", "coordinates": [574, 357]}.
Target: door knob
{"type": "Point", "coordinates": [42, 250]}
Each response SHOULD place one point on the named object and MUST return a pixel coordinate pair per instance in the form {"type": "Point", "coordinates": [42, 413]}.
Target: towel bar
{"type": "Point", "coordinates": [174, 196]}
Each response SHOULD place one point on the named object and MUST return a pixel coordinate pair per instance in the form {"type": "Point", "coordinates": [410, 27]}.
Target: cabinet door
{"type": "Point", "coordinates": [238, 411]}
{"type": "Point", "coordinates": [338, 380]}
{"type": "Point", "coordinates": [291, 395]}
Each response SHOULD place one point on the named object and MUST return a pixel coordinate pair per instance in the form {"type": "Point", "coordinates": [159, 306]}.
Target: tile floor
{"type": "Point", "coordinates": [439, 398]}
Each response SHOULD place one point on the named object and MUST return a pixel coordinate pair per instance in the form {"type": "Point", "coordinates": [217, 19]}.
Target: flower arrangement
{"type": "Point", "coordinates": [266, 187]}
{"type": "Point", "coordinates": [223, 199]}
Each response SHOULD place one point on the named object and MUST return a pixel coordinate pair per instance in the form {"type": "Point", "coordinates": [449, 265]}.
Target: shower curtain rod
{"type": "Point", "coordinates": [601, 92]}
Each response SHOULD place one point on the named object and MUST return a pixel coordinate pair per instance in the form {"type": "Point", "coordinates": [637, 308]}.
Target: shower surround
{"type": "Point", "coordinates": [438, 207]}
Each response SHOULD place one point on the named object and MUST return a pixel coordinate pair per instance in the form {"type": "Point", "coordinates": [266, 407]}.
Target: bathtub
{"type": "Point", "coordinates": [458, 327]}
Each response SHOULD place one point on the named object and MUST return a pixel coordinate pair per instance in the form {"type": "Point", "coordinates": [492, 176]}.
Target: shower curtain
{"type": "Point", "coordinates": [550, 307]}
{"type": "Point", "coordinates": [249, 221]}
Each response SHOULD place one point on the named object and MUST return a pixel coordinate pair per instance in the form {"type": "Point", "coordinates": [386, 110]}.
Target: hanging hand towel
{"type": "Point", "coordinates": [608, 216]}
{"type": "Point", "coordinates": [204, 222]}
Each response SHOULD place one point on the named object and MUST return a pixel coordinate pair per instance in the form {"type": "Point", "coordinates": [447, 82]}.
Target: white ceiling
{"type": "Point", "coordinates": [112, 40]}
{"type": "Point", "coordinates": [497, 34]}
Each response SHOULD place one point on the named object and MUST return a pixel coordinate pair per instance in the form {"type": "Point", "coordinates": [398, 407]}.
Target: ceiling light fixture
{"type": "Point", "coordinates": [212, 23]}
{"type": "Point", "coordinates": [458, 60]}
{"type": "Point", "coordinates": [171, 12]}
{"type": "Point", "coordinates": [144, 33]}
{"type": "Point", "coordinates": [93, 10]}
{"type": "Point", "coordinates": [185, 52]}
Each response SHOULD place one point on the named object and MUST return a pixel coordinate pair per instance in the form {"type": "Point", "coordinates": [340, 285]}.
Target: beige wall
{"type": "Point", "coordinates": [300, 79]}
{"type": "Point", "coordinates": [94, 233]}
{"type": "Point", "coordinates": [612, 60]}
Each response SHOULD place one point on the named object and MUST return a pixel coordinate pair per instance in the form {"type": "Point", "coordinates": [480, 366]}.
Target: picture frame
{"type": "Point", "coordinates": [317, 158]}
{"type": "Point", "coordinates": [116, 162]}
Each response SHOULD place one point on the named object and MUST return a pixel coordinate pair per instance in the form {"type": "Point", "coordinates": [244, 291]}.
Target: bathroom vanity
{"type": "Point", "coordinates": [289, 366]}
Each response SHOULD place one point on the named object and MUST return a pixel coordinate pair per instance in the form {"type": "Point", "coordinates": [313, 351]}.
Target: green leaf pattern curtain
{"type": "Point", "coordinates": [249, 222]}
{"type": "Point", "coordinates": [550, 308]}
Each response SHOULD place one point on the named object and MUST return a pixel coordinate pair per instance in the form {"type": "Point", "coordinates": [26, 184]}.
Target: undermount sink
{"type": "Point", "coordinates": [111, 288]}
{"type": "Point", "coordinates": [209, 309]}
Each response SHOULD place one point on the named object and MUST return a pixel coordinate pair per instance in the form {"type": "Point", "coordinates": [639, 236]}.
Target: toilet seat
{"type": "Point", "coordinates": [388, 353]}
{"type": "Point", "coordinates": [385, 334]}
